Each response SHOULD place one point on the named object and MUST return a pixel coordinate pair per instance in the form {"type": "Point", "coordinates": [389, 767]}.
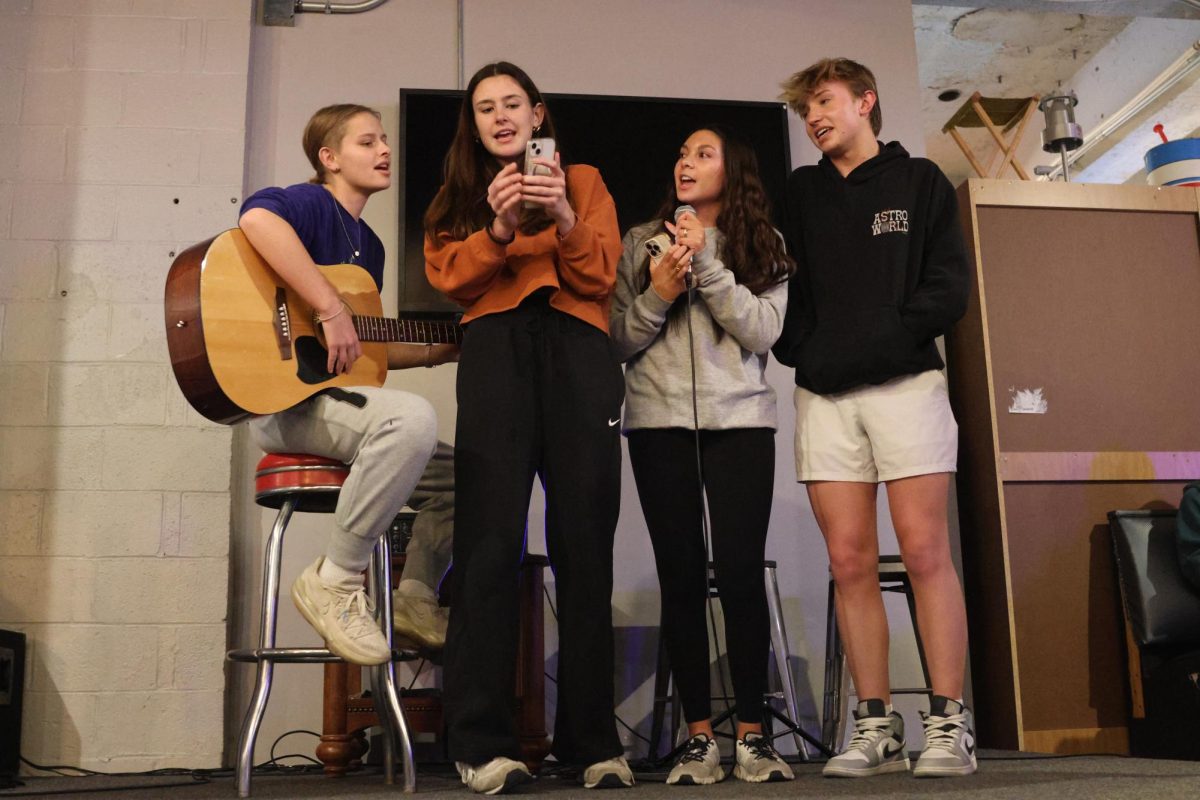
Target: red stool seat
{"type": "Point", "coordinates": [314, 481]}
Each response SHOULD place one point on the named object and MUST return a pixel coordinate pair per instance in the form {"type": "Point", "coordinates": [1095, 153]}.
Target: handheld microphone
{"type": "Point", "coordinates": [679, 212]}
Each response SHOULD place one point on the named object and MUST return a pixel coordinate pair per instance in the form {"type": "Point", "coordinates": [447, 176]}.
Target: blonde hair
{"type": "Point", "coordinates": [326, 129]}
{"type": "Point", "coordinates": [858, 79]}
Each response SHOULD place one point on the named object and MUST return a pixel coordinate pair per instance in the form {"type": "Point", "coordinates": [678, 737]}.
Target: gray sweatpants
{"type": "Point", "coordinates": [432, 540]}
{"type": "Point", "coordinates": [387, 443]}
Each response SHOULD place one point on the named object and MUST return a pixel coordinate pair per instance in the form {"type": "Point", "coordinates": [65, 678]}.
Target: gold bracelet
{"type": "Point", "coordinates": [317, 316]}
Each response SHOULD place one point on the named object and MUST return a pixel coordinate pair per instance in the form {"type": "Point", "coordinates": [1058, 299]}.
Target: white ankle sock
{"type": "Point", "coordinates": [333, 573]}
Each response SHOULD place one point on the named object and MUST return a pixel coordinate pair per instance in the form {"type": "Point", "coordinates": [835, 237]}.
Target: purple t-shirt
{"type": "Point", "coordinates": [314, 213]}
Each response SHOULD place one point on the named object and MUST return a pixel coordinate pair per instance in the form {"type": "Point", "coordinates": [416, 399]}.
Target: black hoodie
{"type": "Point", "coordinates": [881, 271]}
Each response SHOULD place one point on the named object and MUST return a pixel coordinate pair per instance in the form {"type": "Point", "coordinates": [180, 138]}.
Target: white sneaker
{"type": "Point", "coordinates": [699, 763]}
{"type": "Point", "coordinates": [419, 620]}
{"type": "Point", "coordinates": [343, 615]}
{"type": "Point", "coordinates": [877, 746]}
{"type": "Point", "coordinates": [758, 762]}
{"type": "Point", "coordinates": [498, 776]}
{"type": "Point", "coordinates": [949, 740]}
{"type": "Point", "coordinates": [611, 774]}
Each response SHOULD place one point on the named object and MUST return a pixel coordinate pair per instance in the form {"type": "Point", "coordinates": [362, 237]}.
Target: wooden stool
{"type": "Point", "coordinates": [347, 713]}
{"type": "Point", "coordinates": [999, 115]}
{"type": "Point", "coordinates": [296, 482]}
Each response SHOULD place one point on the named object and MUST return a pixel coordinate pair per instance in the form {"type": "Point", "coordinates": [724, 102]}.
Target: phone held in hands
{"type": "Point", "coordinates": [537, 148]}
{"type": "Point", "coordinates": [657, 246]}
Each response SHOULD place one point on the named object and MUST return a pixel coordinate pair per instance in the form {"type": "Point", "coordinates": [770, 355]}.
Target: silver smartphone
{"type": "Point", "coordinates": [657, 246]}
{"type": "Point", "coordinates": [537, 148]}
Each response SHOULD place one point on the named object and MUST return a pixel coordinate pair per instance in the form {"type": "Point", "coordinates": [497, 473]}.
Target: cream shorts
{"type": "Point", "coordinates": [877, 433]}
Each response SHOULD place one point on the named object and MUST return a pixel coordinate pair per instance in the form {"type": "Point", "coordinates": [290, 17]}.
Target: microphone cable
{"type": "Point", "coordinates": [705, 530]}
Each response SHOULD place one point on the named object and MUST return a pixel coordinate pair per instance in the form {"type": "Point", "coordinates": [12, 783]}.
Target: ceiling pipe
{"type": "Point", "coordinates": [326, 7]}
{"type": "Point", "coordinates": [1156, 89]}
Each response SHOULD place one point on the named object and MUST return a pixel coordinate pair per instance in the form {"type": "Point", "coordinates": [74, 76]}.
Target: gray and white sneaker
{"type": "Point", "coordinates": [877, 746]}
{"type": "Point", "coordinates": [757, 761]}
{"type": "Point", "coordinates": [698, 764]}
{"type": "Point", "coordinates": [498, 776]}
{"type": "Point", "coordinates": [613, 773]}
{"type": "Point", "coordinates": [949, 740]}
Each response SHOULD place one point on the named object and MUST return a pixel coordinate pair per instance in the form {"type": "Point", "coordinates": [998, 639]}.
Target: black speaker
{"type": "Point", "coordinates": [12, 685]}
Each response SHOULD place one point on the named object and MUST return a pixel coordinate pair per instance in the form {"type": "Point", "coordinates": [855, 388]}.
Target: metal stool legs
{"type": "Point", "coordinates": [383, 677]}
{"type": "Point", "coordinates": [779, 646]}
{"type": "Point", "coordinates": [663, 693]}
{"type": "Point", "coordinates": [266, 640]}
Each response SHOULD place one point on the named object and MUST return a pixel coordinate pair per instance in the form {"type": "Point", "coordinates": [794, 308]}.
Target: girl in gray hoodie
{"type": "Point", "coordinates": [718, 293]}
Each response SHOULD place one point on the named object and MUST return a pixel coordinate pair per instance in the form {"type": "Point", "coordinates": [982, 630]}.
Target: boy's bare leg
{"type": "Point", "coordinates": [845, 512]}
{"type": "Point", "coordinates": [919, 514]}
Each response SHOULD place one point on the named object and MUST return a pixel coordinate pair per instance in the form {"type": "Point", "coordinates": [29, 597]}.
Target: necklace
{"type": "Point", "coordinates": [337, 209]}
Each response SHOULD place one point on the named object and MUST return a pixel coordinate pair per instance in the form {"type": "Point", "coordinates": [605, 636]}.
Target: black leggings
{"type": "Point", "coordinates": [739, 477]}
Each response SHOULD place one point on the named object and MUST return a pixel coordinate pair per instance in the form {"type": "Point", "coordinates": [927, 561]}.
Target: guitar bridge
{"type": "Point", "coordinates": [283, 325]}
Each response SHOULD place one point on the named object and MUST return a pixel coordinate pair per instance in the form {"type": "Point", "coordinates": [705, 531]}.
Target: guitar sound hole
{"type": "Point", "coordinates": [311, 359]}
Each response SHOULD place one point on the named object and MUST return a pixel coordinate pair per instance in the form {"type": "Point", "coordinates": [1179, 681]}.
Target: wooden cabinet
{"type": "Point", "coordinates": [1075, 379]}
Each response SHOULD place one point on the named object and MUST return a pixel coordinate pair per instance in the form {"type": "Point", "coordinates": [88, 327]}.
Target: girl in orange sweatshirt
{"type": "Point", "coordinates": [533, 260]}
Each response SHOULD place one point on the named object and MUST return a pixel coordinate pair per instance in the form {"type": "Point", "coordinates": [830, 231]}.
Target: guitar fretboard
{"type": "Point", "coordinates": [417, 331]}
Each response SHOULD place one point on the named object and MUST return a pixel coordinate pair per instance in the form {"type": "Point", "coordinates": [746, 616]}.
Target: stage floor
{"type": "Point", "coordinates": [1001, 775]}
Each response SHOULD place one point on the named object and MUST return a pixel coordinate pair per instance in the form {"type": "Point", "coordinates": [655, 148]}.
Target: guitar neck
{"type": "Point", "coordinates": [413, 331]}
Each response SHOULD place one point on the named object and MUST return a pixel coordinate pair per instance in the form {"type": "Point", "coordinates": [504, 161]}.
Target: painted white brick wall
{"type": "Point", "coordinates": [122, 131]}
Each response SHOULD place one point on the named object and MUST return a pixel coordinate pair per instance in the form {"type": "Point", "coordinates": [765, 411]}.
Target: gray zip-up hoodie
{"type": "Point", "coordinates": [733, 329]}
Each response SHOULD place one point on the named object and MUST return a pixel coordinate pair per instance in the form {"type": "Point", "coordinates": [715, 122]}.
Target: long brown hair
{"type": "Point", "coordinates": [460, 207]}
{"type": "Point", "coordinates": [325, 129]}
{"type": "Point", "coordinates": [752, 249]}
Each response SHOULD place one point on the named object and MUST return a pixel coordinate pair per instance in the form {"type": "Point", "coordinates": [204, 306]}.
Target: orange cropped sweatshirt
{"type": "Point", "coordinates": [485, 277]}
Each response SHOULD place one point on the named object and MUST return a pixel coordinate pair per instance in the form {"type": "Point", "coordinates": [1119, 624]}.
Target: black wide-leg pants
{"type": "Point", "coordinates": [539, 393]}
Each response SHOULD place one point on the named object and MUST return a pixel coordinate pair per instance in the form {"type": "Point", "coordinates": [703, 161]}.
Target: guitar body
{"type": "Point", "coordinates": [244, 344]}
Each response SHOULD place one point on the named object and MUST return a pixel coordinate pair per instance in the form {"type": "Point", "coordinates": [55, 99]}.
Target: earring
{"type": "Point", "coordinates": [537, 130]}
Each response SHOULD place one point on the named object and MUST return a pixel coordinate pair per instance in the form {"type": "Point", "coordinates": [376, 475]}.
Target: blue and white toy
{"type": "Point", "coordinates": [1174, 163]}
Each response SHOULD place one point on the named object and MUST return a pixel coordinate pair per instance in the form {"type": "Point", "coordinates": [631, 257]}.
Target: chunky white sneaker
{"type": "Point", "coordinates": [611, 774]}
{"type": "Point", "coordinates": [498, 776]}
{"type": "Point", "coordinates": [419, 620]}
{"type": "Point", "coordinates": [877, 746]}
{"type": "Point", "coordinates": [699, 763]}
{"type": "Point", "coordinates": [343, 615]}
{"type": "Point", "coordinates": [949, 740]}
{"type": "Point", "coordinates": [757, 761]}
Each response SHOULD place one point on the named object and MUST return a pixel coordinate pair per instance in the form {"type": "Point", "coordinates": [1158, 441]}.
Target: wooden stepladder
{"type": "Point", "coordinates": [1005, 119]}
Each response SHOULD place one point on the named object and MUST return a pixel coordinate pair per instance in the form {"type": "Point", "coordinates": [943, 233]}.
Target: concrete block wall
{"type": "Point", "coordinates": [122, 137]}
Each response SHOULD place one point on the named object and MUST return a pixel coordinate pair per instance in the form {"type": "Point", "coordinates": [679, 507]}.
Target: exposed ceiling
{"type": "Point", "coordinates": [1018, 48]}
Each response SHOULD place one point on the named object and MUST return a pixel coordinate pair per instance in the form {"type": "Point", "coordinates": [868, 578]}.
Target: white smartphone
{"type": "Point", "coordinates": [537, 148]}
{"type": "Point", "coordinates": [657, 246]}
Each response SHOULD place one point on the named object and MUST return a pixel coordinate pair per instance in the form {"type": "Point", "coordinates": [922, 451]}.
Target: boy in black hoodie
{"type": "Point", "coordinates": [881, 273]}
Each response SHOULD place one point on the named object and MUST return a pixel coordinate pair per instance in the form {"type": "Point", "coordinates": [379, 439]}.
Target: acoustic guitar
{"type": "Point", "coordinates": [242, 343]}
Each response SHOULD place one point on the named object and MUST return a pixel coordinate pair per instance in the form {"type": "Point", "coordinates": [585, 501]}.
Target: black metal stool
{"type": "Point", "coordinates": [893, 577]}
{"type": "Point", "coordinates": [298, 482]}
{"type": "Point", "coordinates": [664, 694]}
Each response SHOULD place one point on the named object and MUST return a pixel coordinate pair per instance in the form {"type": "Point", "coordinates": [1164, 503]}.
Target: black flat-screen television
{"type": "Point", "coordinates": [633, 141]}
